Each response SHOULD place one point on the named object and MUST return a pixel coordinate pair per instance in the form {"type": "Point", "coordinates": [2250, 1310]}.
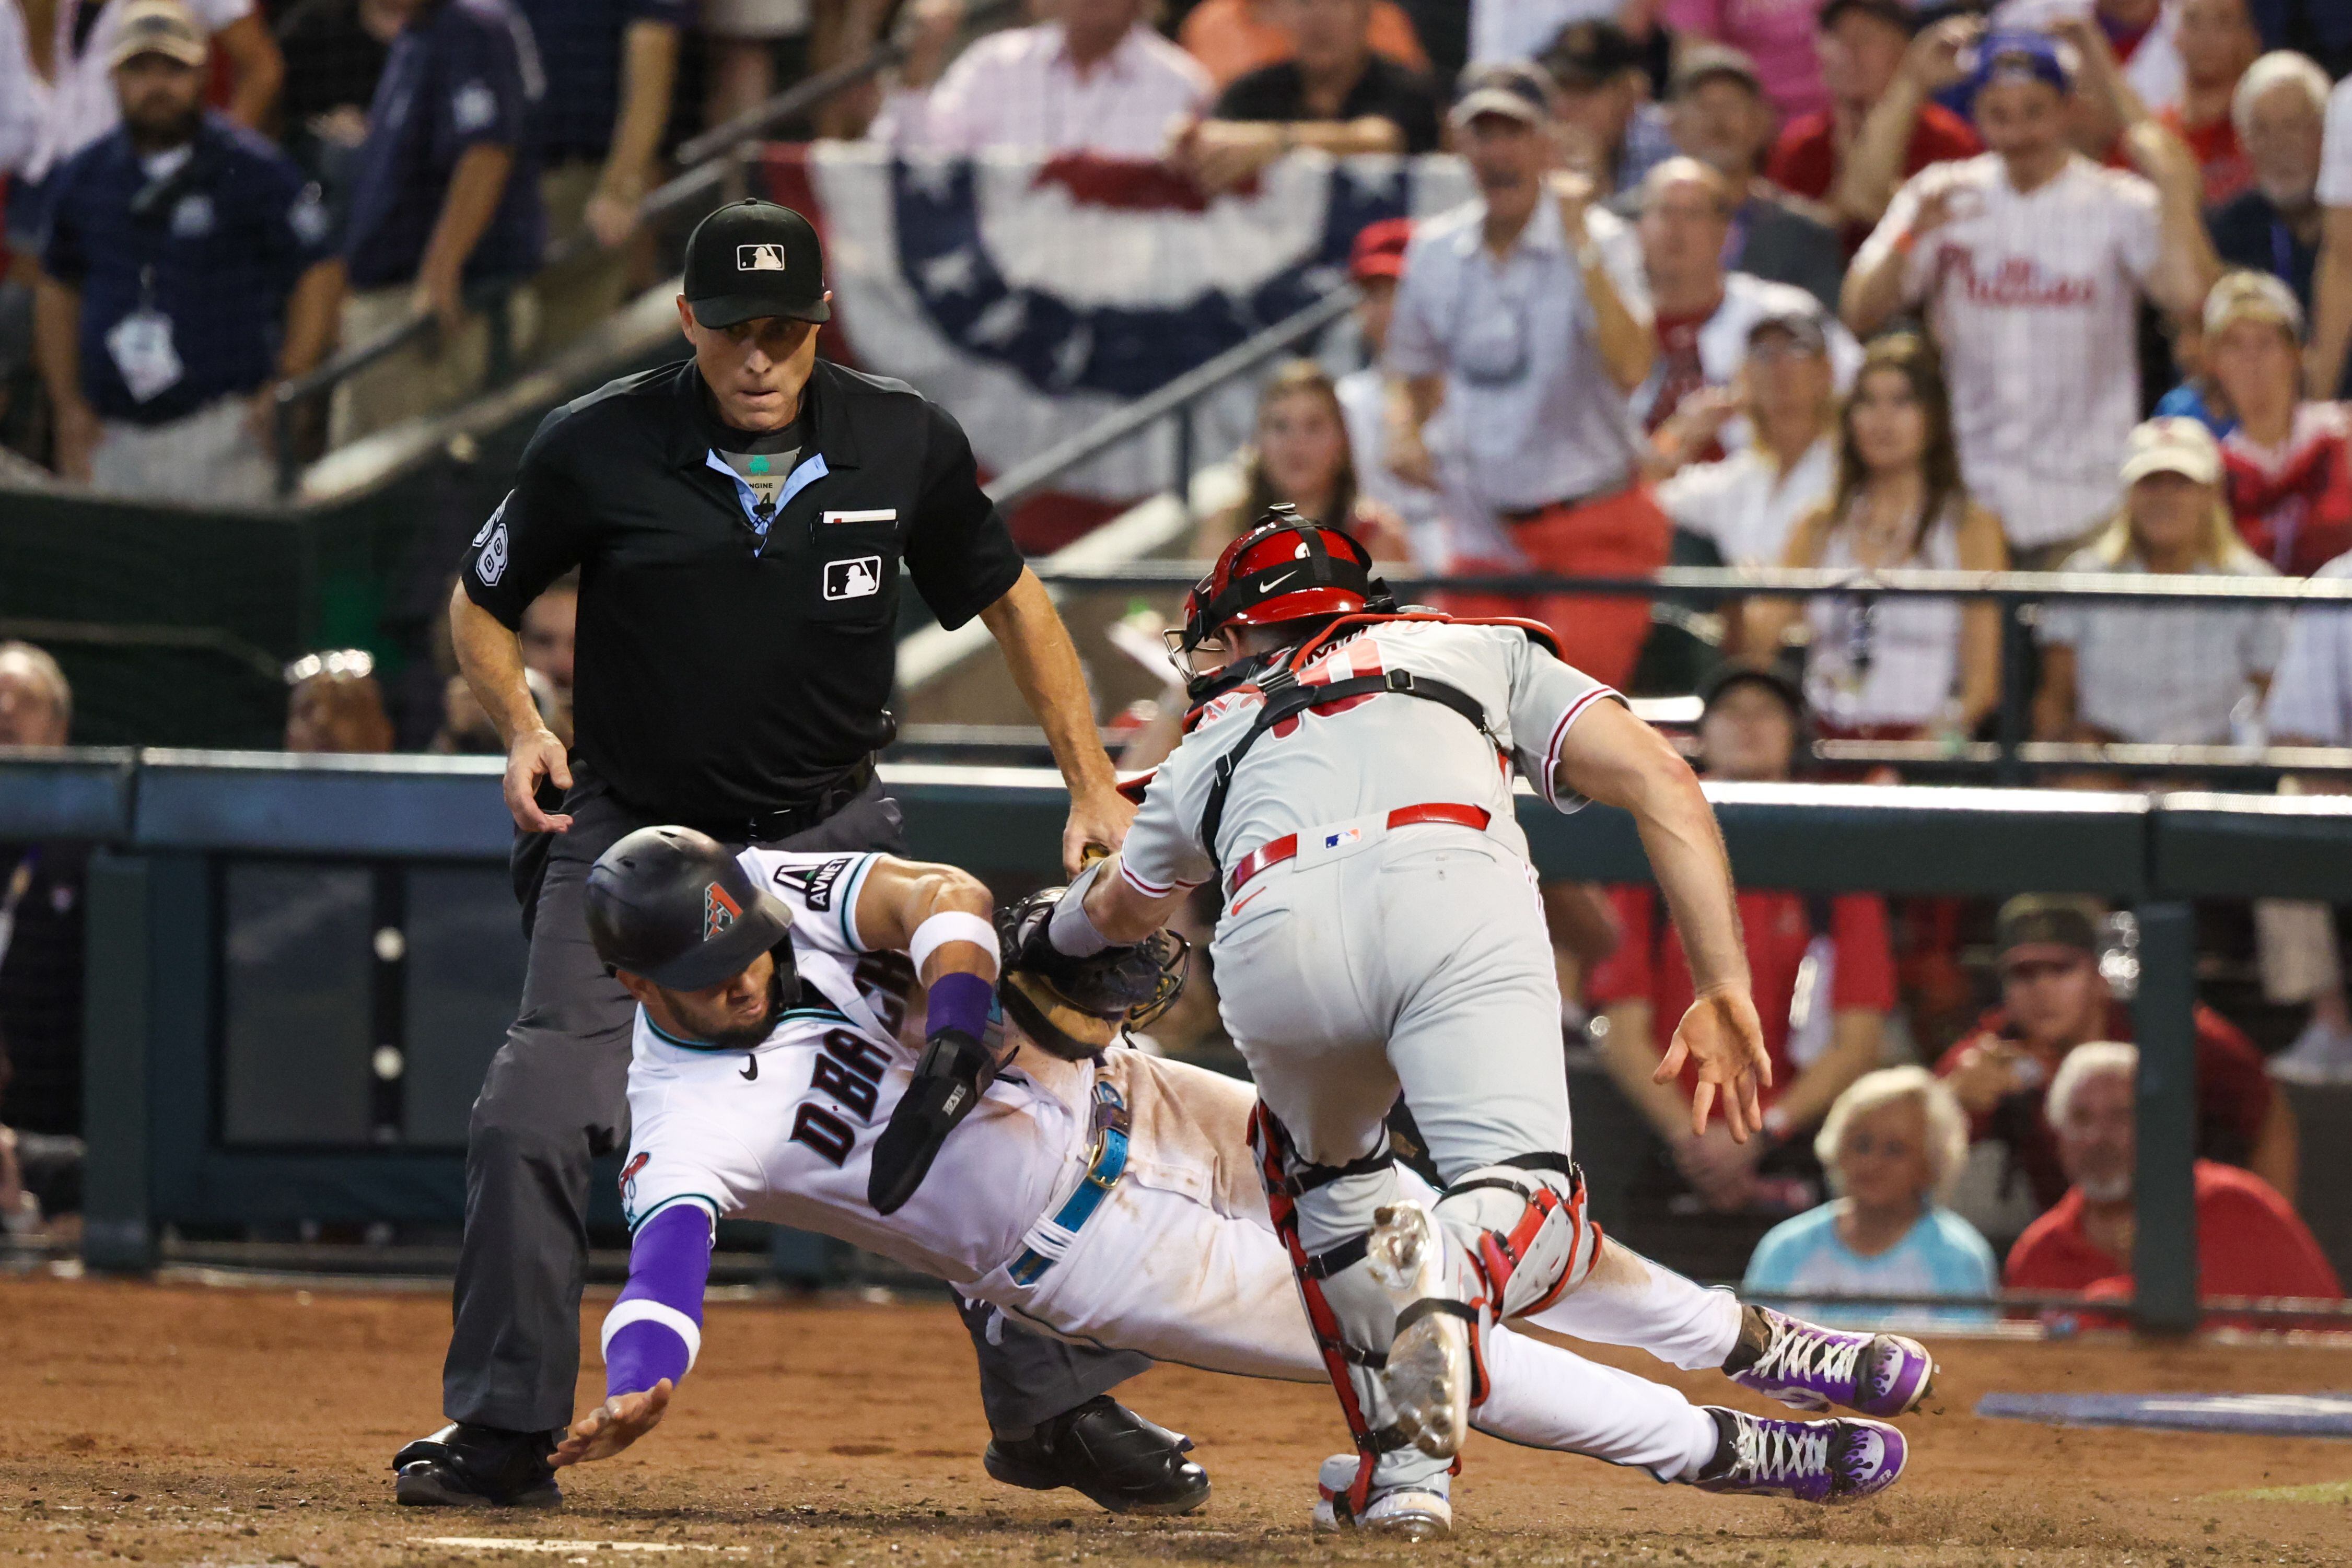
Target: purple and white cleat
{"type": "Point", "coordinates": [1810, 1367]}
{"type": "Point", "coordinates": [1814, 1461]}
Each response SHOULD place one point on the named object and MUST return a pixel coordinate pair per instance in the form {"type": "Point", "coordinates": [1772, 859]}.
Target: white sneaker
{"type": "Point", "coordinates": [2319, 1055]}
{"type": "Point", "coordinates": [1407, 1513]}
{"type": "Point", "coordinates": [1428, 1371]}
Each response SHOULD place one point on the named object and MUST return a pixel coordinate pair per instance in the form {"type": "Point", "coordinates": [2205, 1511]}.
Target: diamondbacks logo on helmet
{"type": "Point", "coordinates": [718, 911]}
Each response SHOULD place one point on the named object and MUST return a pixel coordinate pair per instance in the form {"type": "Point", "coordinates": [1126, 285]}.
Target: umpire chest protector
{"type": "Point", "coordinates": [1287, 696]}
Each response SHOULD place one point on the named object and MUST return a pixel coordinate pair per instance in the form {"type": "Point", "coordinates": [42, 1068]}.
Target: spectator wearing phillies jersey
{"type": "Point", "coordinates": [2280, 111]}
{"type": "Point", "coordinates": [2250, 1241]}
{"type": "Point", "coordinates": [2140, 35]}
{"type": "Point", "coordinates": [1778, 35]}
{"type": "Point", "coordinates": [1883, 124]}
{"type": "Point", "coordinates": [1823, 972]}
{"type": "Point", "coordinates": [1720, 117]}
{"type": "Point", "coordinates": [1702, 315]}
{"type": "Point", "coordinates": [1096, 78]}
{"type": "Point", "coordinates": [187, 272]}
{"type": "Point", "coordinates": [2030, 262]}
{"type": "Point", "coordinates": [1893, 669]}
{"type": "Point", "coordinates": [2217, 42]}
{"type": "Point", "coordinates": [2287, 468]}
{"type": "Point", "coordinates": [1612, 131]}
{"type": "Point", "coordinates": [1893, 1144]}
{"type": "Point", "coordinates": [1523, 313]}
{"type": "Point", "coordinates": [2160, 674]}
{"type": "Point", "coordinates": [1232, 38]}
{"type": "Point", "coordinates": [2054, 1000]}
{"type": "Point", "coordinates": [1337, 94]}
{"type": "Point", "coordinates": [446, 197]}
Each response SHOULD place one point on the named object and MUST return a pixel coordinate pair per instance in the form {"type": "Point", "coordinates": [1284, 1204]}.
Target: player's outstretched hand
{"type": "Point", "coordinates": [613, 1426]}
{"type": "Point", "coordinates": [1722, 1040]}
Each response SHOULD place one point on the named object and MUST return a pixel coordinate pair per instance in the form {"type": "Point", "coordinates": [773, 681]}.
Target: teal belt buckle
{"type": "Point", "coordinates": [1110, 1165]}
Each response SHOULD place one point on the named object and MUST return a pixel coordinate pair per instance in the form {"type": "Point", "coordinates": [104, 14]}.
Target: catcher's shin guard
{"type": "Point", "coordinates": [1523, 1221]}
{"type": "Point", "coordinates": [1352, 1316]}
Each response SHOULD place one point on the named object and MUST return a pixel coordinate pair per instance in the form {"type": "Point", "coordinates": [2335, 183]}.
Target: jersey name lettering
{"type": "Point", "coordinates": [849, 1068]}
{"type": "Point", "coordinates": [823, 1130]}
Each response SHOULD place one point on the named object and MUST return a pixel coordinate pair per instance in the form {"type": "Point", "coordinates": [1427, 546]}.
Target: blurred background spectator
{"type": "Point", "coordinates": [2286, 469]}
{"type": "Point", "coordinates": [333, 704]}
{"type": "Point", "coordinates": [1608, 128]}
{"type": "Point", "coordinates": [2250, 1241]}
{"type": "Point", "coordinates": [335, 51]}
{"type": "Point", "coordinates": [81, 55]}
{"type": "Point", "coordinates": [2217, 42]}
{"type": "Point", "coordinates": [2331, 277]}
{"type": "Point", "coordinates": [1702, 314]}
{"type": "Point", "coordinates": [1893, 1146]}
{"type": "Point", "coordinates": [2054, 998]}
{"type": "Point", "coordinates": [1300, 457]}
{"type": "Point", "coordinates": [41, 963]}
{"type": "Point", "coordinates": [2030, 265]}
{"type": "Point", "coordinates": [2158, 674]}
{"type": "Point", "coordinates": [1883, 124]}
{"type": "Point", "coordinates": [1745, 506]}
{"type": "Point", "coordinates": [1096, 78]}
{"type": "Point", "coordinates": [1894, 669]}
{"type": "Point", "coordinates": [610, 66]}
{"type": "Point", "coordinates": [1372, 403]}
{"type": "Point", "coordinates": [1237, 38]}
{"type": "Point", "coordinates": [1778, 35]}
{"type": "Point", "coordinates": [1336, 94]}
{"type": "Point", "coordinates": [549, 632]}
{"type": "Point", "coordinates": [445, 198]}
{"type": "Point", "coordinates": [1525, 313]}
{"type": "Point", "coordinates": [1822, 969]}
{"type": "Point", "coordinates": [745, 36]}
{"type": "Point", "coordinates": [2279, 109]}
{"type": "Point", "coordinates": [1520, 30]}
{"type": "Point", "coordinates": [187, 272]}
{"type": "Point", "coordinates": [1720, 117]}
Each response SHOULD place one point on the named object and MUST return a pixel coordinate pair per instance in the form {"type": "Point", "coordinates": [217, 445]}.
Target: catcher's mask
{"type": "Point", "coordinates": [1284, 568]}
{"type": "Point", "coordinates": [1064, 1028]}
{"type": "Point", "coordinates": [673, 905]}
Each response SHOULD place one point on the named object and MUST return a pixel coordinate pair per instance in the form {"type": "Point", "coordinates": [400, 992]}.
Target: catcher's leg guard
{"type": "Point", "coordinates": [1523, 1221]}
{"type": "Point", "coordinates": [1352, 1314]}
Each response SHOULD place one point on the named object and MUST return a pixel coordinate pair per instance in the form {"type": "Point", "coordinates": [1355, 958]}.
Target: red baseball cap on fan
{"type": "Point", "coordinates": [1379, 250]}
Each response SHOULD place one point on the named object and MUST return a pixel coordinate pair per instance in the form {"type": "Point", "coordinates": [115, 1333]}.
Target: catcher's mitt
{"type": "Point", "coordinates": [1073, 1008]}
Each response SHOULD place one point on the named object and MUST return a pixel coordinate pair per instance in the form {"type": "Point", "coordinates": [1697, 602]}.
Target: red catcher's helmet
{"type": "Point", "coordinates": [1285, 568]}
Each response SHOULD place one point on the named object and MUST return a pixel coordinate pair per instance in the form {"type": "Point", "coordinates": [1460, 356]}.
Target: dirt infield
{"type": "Point", "coordinates": [177, 1423]}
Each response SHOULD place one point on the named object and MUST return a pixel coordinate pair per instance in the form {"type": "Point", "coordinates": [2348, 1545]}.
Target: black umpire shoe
{"type": "Point", "coordinates": [465, 1465]}
{"type": "Point", "coordinates": [1125, 1463]}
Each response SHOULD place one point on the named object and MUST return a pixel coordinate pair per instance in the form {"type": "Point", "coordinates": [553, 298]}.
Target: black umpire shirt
{"type": "Point", "coordinates": [731, 663]}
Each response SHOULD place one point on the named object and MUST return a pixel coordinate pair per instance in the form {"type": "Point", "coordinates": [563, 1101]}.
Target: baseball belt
{"type": "Point", "coordinates": [1276, 851]}
{"type": "Point", "coordinates": [1052, 1237]}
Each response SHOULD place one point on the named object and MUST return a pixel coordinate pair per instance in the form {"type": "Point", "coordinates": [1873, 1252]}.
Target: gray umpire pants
{"type": "Point", "coordinates": [556, 1097]}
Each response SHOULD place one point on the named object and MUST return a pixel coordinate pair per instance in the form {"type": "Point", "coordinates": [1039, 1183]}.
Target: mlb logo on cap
{"type": "Point", "coordinates": [753, 259]}
{"type": "Point", "coordinates": [758, 259]}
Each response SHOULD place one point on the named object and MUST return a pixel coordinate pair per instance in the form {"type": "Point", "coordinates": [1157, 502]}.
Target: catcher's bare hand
{"type": "Point", "coordinates": [613, 1426]}
{"type": "Point", "coordinates": [1722, 1040]}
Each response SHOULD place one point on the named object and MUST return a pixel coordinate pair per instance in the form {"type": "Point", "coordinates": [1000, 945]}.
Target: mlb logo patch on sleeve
{"type": "Point", "coordinates": [860, 576]}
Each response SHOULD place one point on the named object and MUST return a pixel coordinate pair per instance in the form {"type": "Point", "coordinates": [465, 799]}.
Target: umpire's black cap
{"type": "Point", "coordinates": [673, 905]}
{"type": "Point", "coordinates": [752, 258]}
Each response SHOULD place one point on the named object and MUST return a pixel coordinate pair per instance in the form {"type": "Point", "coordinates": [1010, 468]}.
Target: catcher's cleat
{"type": "Point", "coordinates": [1428, 1374]}
{"type": "Point", "coordinates": [1814, 1461]}
{"type": "Point", "coordinates": [1107, 1452]}
{"type": "Point", "coordinates": [1409, 1513]}
{"type": "Point", "coordinates": [466, 1466]}
{"type": "Point", "coordinates": [1812, 1368]}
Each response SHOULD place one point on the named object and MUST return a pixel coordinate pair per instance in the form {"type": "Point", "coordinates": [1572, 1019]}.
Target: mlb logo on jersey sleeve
{"type": "Point", "coordinates": [719, 912]}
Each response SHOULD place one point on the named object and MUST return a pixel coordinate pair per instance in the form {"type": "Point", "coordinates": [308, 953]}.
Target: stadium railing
{"type": "Point", "coordinates": [198, 889]}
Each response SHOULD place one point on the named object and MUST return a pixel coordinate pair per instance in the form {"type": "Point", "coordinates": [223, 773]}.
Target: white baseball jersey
{"type": "Point", "coordinates": [785, 1132]}
{"type": "Point", "coordinates": [2034, 298]}
{"type": "Point", "coordinates": [1345, 763]}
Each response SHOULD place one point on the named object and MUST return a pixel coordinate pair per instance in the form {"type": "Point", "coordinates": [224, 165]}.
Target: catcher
{"type": "Point", "coordinates": [1092, 1190]}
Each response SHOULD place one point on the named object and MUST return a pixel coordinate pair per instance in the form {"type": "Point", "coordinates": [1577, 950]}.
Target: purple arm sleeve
{"type": "Point", "coordinates": [655, 1330]}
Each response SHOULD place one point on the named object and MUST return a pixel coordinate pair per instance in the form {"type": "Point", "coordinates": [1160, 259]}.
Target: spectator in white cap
{"type": "Point", "coordinates": [1893, 1144]}
{"type": "Point", "coordinates": [2160, 674]}
{"type": "Point", "coordinates": [2284, 459]}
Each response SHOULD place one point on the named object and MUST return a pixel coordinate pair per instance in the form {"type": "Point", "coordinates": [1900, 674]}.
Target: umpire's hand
{"type": "Point", "coordinates": [537, 757]}
{"type": "Point", "coordinates": [1722, 1040]}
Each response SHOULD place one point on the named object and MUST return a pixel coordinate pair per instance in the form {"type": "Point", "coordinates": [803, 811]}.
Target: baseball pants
{"type": "Point", "coordinates": [555, 1098]}
{"type": "Point", "coordinates": [1182, 1262]}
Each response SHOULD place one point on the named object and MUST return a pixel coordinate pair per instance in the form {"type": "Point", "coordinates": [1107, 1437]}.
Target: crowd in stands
{"type": "Point", "coordinates": [1861, 284]}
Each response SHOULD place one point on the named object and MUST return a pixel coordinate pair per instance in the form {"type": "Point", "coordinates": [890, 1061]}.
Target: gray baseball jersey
{"type": "Point", "coordinates": [1366, 755]}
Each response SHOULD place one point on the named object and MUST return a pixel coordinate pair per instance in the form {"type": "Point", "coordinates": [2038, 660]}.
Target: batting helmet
{"type": "Point", "coordinates": [1284, 567]}
{"type": "Point", "coordinates": [673, 905]}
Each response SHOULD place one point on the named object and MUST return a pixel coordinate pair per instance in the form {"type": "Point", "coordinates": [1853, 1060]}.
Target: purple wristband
{"type": "Point", "coordinates": [960, 1002]}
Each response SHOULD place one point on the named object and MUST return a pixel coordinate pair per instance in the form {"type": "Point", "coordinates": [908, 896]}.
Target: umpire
{"type": "Point", "coordinates": [741, 520]}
